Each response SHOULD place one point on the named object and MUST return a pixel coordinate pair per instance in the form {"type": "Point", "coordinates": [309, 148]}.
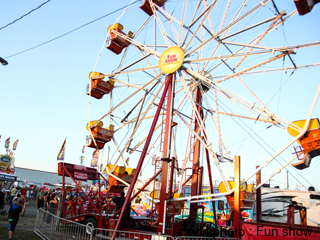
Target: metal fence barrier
{"type": "Point", "coordinates": [49, 226]}
{"type": "Point", "coordinates": [100, 233]}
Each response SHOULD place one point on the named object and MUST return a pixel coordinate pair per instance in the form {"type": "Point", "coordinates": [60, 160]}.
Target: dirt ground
{"type": "Point", "coordinates": [24, 229]}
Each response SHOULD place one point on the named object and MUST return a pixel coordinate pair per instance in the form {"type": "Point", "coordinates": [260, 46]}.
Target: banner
{"type": "Point", "coordinates": [7, 143]}
{"type": "Point", "coordinates": [95, 157]}
{"type": "Point", "coordinates": [6, 163]}
{"type": "Point", "coordinates": [62, 151]}
{"type": "Point", "coordinates": [83, 148]}
{"type": "Point", "coordinates": [15, 145]}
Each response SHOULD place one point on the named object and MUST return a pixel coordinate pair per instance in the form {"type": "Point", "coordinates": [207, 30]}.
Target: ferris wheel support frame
{"type": "Point", "coordinates": [142, 157]}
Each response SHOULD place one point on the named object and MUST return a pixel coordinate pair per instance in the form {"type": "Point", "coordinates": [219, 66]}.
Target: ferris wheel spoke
{"type": "Point", "coordinates": [226, 32]}
{"type": "Point", "coordinates": [126, 99]}
{"type": "Point", "coordinates": [158, 20]}
{"type": "Point", "coordinates": [131, 71]}
{"type": "Point", "coordinates": [261, 37]}
{"type": "Point", "coordinates": [207, 146]}
{"type": "Point", "coordinates": [251, 27]}
{"type": "Point", "coordinates": [204, 15]}
{"type": "Point", "coordinates": [253, 40]}
{"type": "Point", "coordinates": [250, 106]}
{"type": "Point", "coordinates": [183, 15]}
{"type": "Point", "coordinates": [170, 19]}
{"type": "Point", "coordinates": [135, 62]}
{"type": "Point", "coordinates": [227, 27]}
{"type": "Point", "coordinates": [253, 67]}
{"type": "Point", "coordinates": [275, 70]}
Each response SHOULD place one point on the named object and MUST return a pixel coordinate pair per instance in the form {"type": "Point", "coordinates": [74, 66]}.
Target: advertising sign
{"type": "Point", "coordinates": [171, 60]}
{"type": "Point", "coordinates": [6, 164]}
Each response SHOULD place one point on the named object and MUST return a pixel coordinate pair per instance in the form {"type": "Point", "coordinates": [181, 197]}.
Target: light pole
{"type": "Point", "coordinates": [3, 61]}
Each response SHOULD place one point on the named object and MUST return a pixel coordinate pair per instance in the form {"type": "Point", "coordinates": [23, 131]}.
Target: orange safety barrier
{"type": "Point", "coordinates": [147, 8]}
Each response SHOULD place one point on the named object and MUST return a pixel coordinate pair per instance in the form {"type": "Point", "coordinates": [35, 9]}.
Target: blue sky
{"type": "Point", "coordinates": [43, 97]}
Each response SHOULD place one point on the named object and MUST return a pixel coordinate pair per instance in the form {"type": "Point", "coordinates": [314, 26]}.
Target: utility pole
{"type": "Point", "coordinates": [287, 179]}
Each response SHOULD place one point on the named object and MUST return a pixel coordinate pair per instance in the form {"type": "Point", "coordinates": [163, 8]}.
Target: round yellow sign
{"type": "Point", "coordinates": [171, 60]}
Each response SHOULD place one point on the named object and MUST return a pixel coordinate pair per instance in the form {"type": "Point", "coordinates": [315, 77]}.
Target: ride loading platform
{"type": "Point", "coordinates": [94, 207]}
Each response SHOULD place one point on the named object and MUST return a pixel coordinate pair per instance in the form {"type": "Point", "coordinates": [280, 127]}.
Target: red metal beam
{"type": "Point", "coordinates": [173, 162]}
{"type": "Point", "coordinates": [99, 212]}
{"type": "Point", "coordinates": [236, 221]}
{"type": "Point", "coordinates": [184, 183]}
{"type": "Point", "coordinates": [258, 194]}
{"type": "Point", "coordinates": [166, 156]}
{"type": "Point", "coordinates": [63, 194]}
{"type": "Point", "coordinates": [196, 156]}
{"type": "Point", "coordinates": [211, 187]}
{"type": "Point", "coordinates": [143, 154]}
{"type": "Point", "coordinates": [141, 189]}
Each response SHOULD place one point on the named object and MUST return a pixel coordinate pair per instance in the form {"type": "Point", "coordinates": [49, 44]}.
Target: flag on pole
{"type": "Point", "coordinates": [0, 138]}
{"type": "Point", "coordinates": [95, 157]}
{"type": "Point", "coordinates": [83, 148]}
{"type": "Point", "coordinates": [62, 151]}
{"type": "Point", "coordinates": [10, 153]}
{"type": "Point", "coordinates": [81, 160]}
{"type": "Point", "coordinates": [7, 143]}
{"type": "Point", "coordinates": [15, 145]}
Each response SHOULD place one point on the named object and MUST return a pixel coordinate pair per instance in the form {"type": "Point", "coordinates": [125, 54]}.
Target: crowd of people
{"type": "Point", "coordinates": [18, 204]}
{"type": "Point", "coordinates": [47, 199]}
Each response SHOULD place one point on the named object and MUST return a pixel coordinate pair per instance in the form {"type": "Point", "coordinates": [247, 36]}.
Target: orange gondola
{"type": "Point", "coordinates": [118, 40]}
{"type": "Point", "coordinates": [310, 142]}
{"type": "Point", "coordinates": [100, 135]}
{"type": "Point", "coordinates": [98, 86]}
{"type": "Point", "coordinates": [147, 8]}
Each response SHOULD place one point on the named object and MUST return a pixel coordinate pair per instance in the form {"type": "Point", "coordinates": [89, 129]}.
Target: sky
{"type": "Point", "coordinates": [43, 88]}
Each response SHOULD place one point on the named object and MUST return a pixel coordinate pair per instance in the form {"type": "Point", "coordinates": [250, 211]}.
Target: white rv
{"type": "Point", "coordinates": [275, 203]}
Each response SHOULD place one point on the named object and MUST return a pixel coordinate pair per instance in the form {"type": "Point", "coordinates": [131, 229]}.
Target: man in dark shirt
{"type": "Point", "coordinates": [119, 201]}
{"type": "Point", "coordinates": [13, 216]}
{"type": "Point", "coordinates": [40, 199]}
{"type": "Point", "coordinates": [2, 199]}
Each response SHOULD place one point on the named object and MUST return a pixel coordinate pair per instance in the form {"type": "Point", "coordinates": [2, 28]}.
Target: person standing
{"type": "Point", "coordinates": [24, 204]}
{"type": "Point", "coordinates": [13, 216]}
{"type": "Point", "coordinates": [12, 194]}
{"type": "Point", "coordinates": [53, 200]}
{"type": "Point", "coordinates": [119, 201]}
{"type": "Point", "coordinates": [39, 199]}
{"type": "Point", "coordinates": [3, 188]}
{"type": "Point", "coordinates": [2, 199]}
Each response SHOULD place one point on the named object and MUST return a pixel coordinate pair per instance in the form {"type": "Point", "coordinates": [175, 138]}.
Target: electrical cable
{"type": "Point", "coordinates": [25, 15]}
{"type": "Point", "coordinates": [69, 31]}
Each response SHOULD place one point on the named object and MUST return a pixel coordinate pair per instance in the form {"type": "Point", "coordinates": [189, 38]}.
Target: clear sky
{"type": "Point", "coordinates": [43, 97]}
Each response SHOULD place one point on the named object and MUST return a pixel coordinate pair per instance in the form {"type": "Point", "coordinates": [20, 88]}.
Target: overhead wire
{"type": "Point", "coordinates": [97, 19]}
{"type": "Point", "coordinates": [25, 15]}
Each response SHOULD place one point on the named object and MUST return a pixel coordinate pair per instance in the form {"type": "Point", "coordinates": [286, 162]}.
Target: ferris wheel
{"type": "Point", "coordinates": [188, 79]}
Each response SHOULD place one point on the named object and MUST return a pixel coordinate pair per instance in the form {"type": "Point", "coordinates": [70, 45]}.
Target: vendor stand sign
{"type": "Point", "coordinates": [6, 164]}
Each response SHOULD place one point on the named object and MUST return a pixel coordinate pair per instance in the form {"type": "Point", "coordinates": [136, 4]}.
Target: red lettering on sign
{"type": "Point", "coordinates": [171, 58]}
{"type": "Point", "coordinates": [81, 176]}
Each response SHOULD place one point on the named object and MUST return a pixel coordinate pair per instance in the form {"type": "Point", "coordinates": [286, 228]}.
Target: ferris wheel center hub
{"type": "Point", "coordinates": [171, 60]}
